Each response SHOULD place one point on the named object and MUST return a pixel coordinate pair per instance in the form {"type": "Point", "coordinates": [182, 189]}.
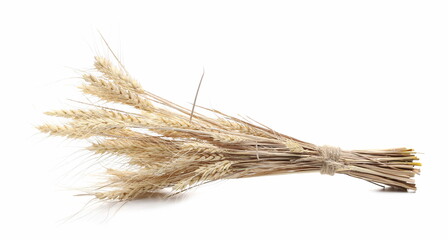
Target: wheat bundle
{"type": "Point", "coordinates": [168, 147]}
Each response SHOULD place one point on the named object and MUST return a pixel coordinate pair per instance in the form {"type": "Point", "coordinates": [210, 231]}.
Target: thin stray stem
{"type": "Point", "coordinates": [197, 93]}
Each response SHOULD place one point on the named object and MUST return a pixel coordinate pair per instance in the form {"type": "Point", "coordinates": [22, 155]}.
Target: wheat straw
{"type": "Point", "coordinates": [166, 150]}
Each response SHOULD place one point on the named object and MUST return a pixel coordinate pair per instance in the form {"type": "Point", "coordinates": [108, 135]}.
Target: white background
{"type": "Point", "coordinates": [355, 74]}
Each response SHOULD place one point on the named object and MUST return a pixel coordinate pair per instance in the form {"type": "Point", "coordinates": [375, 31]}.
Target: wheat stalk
{"type": "Point", "coordinates": [164, 149]}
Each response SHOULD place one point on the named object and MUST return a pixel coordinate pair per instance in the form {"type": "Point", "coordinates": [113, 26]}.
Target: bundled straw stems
{"type": "Point", "coordinates": [164, 150]}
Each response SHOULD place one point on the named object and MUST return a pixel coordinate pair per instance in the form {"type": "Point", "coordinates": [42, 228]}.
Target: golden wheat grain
{"type": "Point", "coordinates": [112, 92]}
{"type": "Point", "coordinates": [241, 127]}
{"type": "Point", "coordinates": [209, 172]}
{"type": "Point", "coordinates": [104, 66]}
{"type": "Point", "coordinates": [200, 147]}
{"type": "Point", "coordinates": [293, 146]}
{"type": "Point", "coordinates": [64, 130]}
{"type": "Point", "coordinates": [85, 114]}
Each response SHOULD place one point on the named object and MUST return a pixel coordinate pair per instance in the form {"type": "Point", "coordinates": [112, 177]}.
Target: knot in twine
{"type": "Point", "coordinates": [331, 159]}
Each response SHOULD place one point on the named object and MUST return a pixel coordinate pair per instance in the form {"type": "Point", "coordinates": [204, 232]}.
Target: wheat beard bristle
{"type": "Point", "coordinates": [175, 153]}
